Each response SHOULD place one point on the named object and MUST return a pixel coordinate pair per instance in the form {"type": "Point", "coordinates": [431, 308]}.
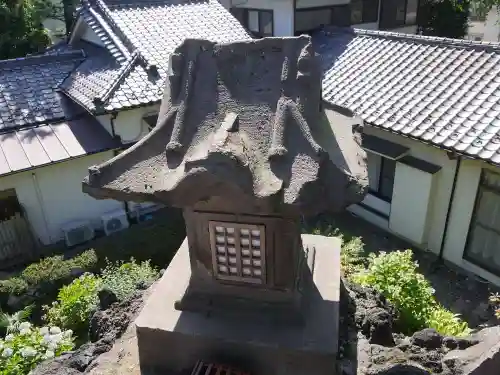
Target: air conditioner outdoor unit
{"type": "Point", "coordinates": [114, 221]}
{"type": "Point", "coordinates": [78, 232]}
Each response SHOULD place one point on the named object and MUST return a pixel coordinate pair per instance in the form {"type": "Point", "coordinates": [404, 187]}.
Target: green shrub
{"type": "Point", "coordinates": [395, 276]}
{"type": "Point", "coordinates": [15, 286]}
{"type": "Point", "coordinates": [351, 256]}
{"type": "Point", "coordinates": [9, 322]}
{"type": "Point", "coordinates": [446, 322]}
{"type": "Point", "coordinates": [27, 346]}
{"type": "Point", "coordinates": [74, 304]}
{"type": "Point", "coordinates": [123, 279]}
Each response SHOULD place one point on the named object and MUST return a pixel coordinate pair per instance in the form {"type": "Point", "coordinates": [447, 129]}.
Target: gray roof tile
{"type": "Point", "coordinates": [442, 91]}
{"type": "Point", "coordinates": [146, 32]}
{"type": "Point", "coordinates": [28, 88]}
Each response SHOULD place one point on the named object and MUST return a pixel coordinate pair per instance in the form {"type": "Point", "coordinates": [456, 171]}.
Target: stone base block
{"type": "Point", "coordinates": [170, 340]}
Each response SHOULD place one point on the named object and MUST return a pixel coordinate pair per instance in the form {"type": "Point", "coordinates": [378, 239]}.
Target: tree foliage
{"type": "Point", "coordinates": [21, 28]}
{"type": "Point", "coordinates": [444, 18]}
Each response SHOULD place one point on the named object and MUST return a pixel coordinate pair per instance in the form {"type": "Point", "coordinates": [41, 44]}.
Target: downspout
{"type": "Point", "coordinates": [39, 198]}
{"type": "Point", "coordinates": [449, 210]}
{"type": "Point", "coordinates": [112, 119]}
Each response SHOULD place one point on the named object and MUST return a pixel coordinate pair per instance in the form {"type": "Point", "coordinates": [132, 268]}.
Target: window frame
{"type": "Point", "coordinates": [384, 25]}
{"type": "Point", "coordinates": [380, 179]}
{"type": "Point", "coordinates": [330, 8]}
{"type": "Point", "coordinates": [481, 188]}
{"type": "Point", "coordinates": [365, 16]}
{"type": "Point", "coordinates": [246, 20]}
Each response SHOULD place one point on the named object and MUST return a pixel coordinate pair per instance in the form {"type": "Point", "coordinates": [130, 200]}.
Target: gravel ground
{"type": "Point", "coordinates": [461, 292]}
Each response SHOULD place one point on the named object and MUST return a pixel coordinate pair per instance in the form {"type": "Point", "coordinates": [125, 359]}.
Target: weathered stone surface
{"type": "Point", "coordinates": [251, 110]}
{"type": "Point", "coordinates": [106, 298]}
{"type": "Point", "coordinates": [480, 359]}
{"type": "Point", "coordinates": [427, 338]}
{"type": "Point", "coordinates": [111, 323]}
{"type": "Point", "coordinates": [399, 369]}
{"type": "Point", "coordinates": [377, 325]}
{"type": "Point", "coordinates": [56, 366]}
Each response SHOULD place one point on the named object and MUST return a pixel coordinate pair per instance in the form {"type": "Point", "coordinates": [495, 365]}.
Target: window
{"type": "Point", "coordinates": [398, 13]}
{"type": "Point", "coordinates": [238, 251]}
{"type": "Point", "coordinates": [484, 233]}
{"type": "Point", "coordinates": [364, 11]}
{"type": "Point", "coordinates": [151, 120]}
{"type": "Point", "coordinates": [260, 23]}
{"type": "Point", "coordinates": [381, 172]}
{"type": "Point", "coordinates": [311, 19]}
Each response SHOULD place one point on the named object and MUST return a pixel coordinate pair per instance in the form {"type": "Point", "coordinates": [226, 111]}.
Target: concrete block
{"type": "Point", "coordinates": [173, 341]}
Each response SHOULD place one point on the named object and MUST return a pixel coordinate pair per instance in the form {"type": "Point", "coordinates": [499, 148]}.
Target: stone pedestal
{"type": "Point", "coordinates": [173, 341]}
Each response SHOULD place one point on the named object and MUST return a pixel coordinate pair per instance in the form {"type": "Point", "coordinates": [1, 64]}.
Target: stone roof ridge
{"type": "Point", "coordinates": [42, 59]}
{"type": "Point", "coordinates": [423, 39]}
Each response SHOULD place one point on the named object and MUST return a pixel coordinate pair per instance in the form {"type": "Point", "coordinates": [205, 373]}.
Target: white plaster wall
{"type": "Point", "coordinates": [89, 35]}
{"type": "Point", "coordinates": [54, 197]}
{"type": "Point", "coordinates": [128, 124]}
{"type": "Point", "coordinates": [283, 13]}
{"type": "Point", "coordinates": [461, 215]}
{"type": "Point", "coordinates": [489, 30]}
{"type": "Point", "coordinates": [441, 189]}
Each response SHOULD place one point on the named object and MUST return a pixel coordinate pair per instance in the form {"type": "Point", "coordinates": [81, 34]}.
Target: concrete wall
{"type": "Point", "coordinates": [489, 30]}
{"type": "Point", "coordinates": [52, 196]}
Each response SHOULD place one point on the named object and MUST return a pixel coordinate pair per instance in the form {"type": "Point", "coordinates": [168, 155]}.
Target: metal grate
{"type": "Point", "coordinates": [238, 251]}
{"type": "Point", "coordinates": [202, 368]}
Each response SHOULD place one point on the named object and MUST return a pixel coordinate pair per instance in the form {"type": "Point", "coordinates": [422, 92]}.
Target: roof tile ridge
{"type": "Point", "coordinates": [105, 33]}
{"type": "Point", "coordinates": [494, 46]}
{"type": "Point", "coordinates": [43, 58]}
{"type": "Point", "coordinates": [113, 85]}
{"type": "Point", "coordinates": [106, 12]}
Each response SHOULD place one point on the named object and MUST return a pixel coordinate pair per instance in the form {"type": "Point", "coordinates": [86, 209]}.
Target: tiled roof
{"type": "Point", "coordinates": [140, 35]}
{"type": "Point", "coordinates": [46, 144]}
{"type": "Point", "coordinates": [444, 92]}
{"type": "Point", "coordinates": [28, 88]}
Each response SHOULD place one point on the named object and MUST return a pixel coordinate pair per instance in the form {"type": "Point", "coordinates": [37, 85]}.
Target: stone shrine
{"type": "Point", "coordinates": [246, 147]}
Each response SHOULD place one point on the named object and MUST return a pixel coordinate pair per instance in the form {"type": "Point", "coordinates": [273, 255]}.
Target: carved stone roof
{"type": "Point", "coordinates": [242, 117]}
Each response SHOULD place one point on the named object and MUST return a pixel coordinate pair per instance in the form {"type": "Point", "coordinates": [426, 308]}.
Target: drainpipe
{"type": "Point", "coordinates": [112, 119]}
{"type": "Point", "coordinates": [450, 209]}
{"type": "Point", "coordinates": [39, 198]}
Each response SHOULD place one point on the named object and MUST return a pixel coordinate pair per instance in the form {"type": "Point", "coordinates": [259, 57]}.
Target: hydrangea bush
{"type": "Point", "coordinates": [26, 346]}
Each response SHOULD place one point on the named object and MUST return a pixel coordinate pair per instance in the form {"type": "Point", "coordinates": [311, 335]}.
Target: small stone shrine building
{"type": "Point", "coordinates": [246, 147]}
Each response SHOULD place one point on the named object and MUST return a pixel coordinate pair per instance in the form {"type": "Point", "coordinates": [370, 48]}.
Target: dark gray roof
{"type": "Point", "coordinates": [139, 36]}
{"type": "Point", "coordinates": [23, 149]}
{"type": "Point", "coordinates": [441, 91]}
{"type": "Point", "coordinates": [28, 89]}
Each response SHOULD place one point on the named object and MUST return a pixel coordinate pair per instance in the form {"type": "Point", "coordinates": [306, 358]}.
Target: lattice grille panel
{"type": "Point", "coordinates": [202, 368]}
{"type": "Point", "coordinates": [238, 251]}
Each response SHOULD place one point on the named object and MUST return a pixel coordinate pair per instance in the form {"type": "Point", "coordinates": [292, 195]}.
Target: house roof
{"type": "Point", "coordinates": [445, 92]}
{"type": "Point", "coordinates": [139, 36]}
{"type": "Point", "coordinates": [23, 149]}
{"type": "Point", "coordinates": [28, 89]}
{"type": "Point", "coordinates": [249, 125]}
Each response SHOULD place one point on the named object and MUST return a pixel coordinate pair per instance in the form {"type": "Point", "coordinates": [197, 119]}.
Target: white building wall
{"type": "Point", "coordinates": [52, 196]}
{"type": "Point", "coordinates": [439, 197]}
{"type": "Point", "coordinates": [129, 124]}
{"type": "Point", "coordinates": [461, 216]}
{"type": "Point", "coordinates": [489, 30]}
{"type": "Point", "coordinates": [282, 9]}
